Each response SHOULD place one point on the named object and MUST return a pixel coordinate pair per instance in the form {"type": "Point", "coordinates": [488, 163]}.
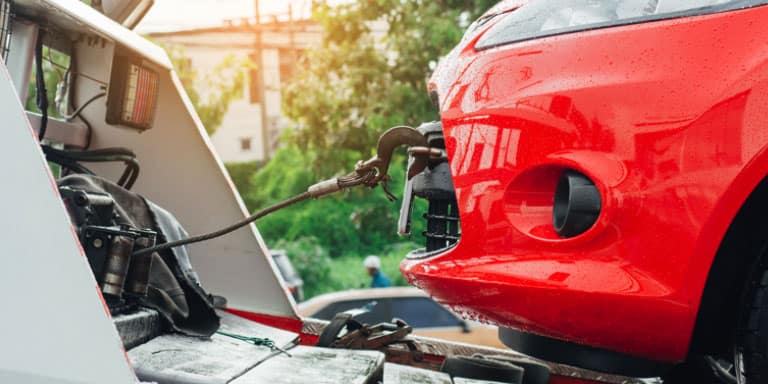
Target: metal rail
{"type": "Point", "coordinates": [436, 348]}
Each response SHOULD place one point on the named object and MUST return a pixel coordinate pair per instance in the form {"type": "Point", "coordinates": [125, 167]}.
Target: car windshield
{"type": "Point", "coordinates": [541, 17]}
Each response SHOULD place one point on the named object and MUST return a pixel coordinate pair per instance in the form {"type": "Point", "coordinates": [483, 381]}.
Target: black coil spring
{"type": "Point", "coordinates": [443, 228]}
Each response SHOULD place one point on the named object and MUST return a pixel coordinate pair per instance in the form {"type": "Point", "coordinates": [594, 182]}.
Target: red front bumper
{"type": "Point", "coordinates": [667, 118]}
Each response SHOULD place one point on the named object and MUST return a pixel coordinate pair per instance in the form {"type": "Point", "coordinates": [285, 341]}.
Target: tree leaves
{"type": "Point", "coordinates": [222, 85]}
{"type": "Point", "coordinates": [370, 73]}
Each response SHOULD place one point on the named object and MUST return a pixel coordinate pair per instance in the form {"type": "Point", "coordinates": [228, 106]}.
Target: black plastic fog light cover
{"type": "Point", "coordinates": [577, 204]}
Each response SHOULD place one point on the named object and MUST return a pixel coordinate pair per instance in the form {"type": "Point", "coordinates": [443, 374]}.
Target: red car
{"type": "Point", "coordinates": [608, 162]}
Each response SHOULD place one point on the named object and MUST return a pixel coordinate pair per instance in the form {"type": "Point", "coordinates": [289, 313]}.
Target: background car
{"type": "Point", "coordinates": [427, 317]}
{"type": "Point", "coordinates": [292, 280]}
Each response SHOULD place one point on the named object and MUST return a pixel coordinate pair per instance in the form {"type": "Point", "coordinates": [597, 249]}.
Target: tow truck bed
{"type": "Point", "coordinates": [174, 358]}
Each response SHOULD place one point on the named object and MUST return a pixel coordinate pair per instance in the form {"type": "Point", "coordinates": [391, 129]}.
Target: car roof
{"type": "Point", "coordinates": [321, 301]}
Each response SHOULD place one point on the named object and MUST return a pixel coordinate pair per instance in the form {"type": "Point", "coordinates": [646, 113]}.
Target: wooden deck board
{"type": "Point", "coordinates": [318, 366]}
{"type": "Point", "coordinates": [219, 357]}
{"type": "Point", "coordinates": [403, 374]}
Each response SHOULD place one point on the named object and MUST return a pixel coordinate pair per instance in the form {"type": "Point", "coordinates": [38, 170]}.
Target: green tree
{"type": "Point", "coordinates": [354, 86]}
{"type": "Point", "coordinates": [55, 69]}
{"type": "Point", "coordinates": [353, 222]}
{"type": "Point", "coordinates": [350, 89]}
{"type": "Point", "coordinates": [223, 85]}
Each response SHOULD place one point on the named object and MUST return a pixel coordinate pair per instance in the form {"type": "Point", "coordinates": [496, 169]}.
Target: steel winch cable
{"type": "Point", "coordinates": [370, 173]}
{"type": "Point", "coordinates": [320, 189]}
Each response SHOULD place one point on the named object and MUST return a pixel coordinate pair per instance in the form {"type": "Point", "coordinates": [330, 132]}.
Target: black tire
{"type": "Point", "coordinates": [482, 369]}
{"type": "Point", "coordinates": [751, 350]}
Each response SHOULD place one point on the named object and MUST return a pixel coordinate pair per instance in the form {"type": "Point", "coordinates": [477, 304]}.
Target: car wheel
{"type": "Point", "coordinates": [751, 350]}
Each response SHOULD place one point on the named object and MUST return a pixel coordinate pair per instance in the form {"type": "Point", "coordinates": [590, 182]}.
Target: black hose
{"type": "Point", "coordinates": [80, 109]}
{"type": "Point", "coordinates": [333, 185]}
{"type": "Point", "coordinates": [119, 151]}
{"type": "Point", "coordinates": [68, 164]}
{"type": "Point", "coordinates": [89, 132]}
{"type": "Point", "coordinates": [72, 69]}
{"type": "Point", "coordinates": [41, 94]}
{"type": "Point", "coordinates": [130, 174]}
{"type": "Point", "coordinates": [225, 230]}
{"type": "Point", "coordinates": [69, 160]}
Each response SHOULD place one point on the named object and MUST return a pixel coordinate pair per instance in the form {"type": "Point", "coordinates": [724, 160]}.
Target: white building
{"type": "Point", "coordinates": [241, 136]}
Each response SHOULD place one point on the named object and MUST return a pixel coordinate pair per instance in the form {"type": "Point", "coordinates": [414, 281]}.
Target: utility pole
{"type": "Point", "coordinates": [293, 40]}
{"type": "Point", "coordinates": [261, 82]}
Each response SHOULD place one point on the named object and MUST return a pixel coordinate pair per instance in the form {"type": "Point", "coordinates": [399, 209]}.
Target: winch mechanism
{"type": "Point", "coordinates": [135, 248]}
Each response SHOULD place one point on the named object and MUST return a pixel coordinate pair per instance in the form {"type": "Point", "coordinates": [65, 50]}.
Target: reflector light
{"type": "Point", "coordinates": [133, 92]}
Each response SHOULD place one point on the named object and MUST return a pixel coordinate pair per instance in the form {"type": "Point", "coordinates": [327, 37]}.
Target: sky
{"type": "Point", "coordinates": [168, 15]}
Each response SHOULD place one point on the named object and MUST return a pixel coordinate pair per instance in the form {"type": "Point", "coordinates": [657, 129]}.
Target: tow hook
{"type": "Point", "coordinates": [390, 140]}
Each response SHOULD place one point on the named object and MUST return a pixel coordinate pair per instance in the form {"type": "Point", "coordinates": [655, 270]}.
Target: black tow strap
{"type": "Point", "coordinates": [332, 330]}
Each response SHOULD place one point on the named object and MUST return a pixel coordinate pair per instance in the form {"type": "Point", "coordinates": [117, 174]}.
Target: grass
{"type": "Point", "coordinates": [347, 272]}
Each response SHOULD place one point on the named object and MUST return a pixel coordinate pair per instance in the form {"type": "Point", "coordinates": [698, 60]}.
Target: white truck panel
{"type": "Point", "coordinates": [179, 169]}
{"type": "Point", "coordinates": [55, 326]}
{"type": "Point", "coordinates": [74, 15]}
{"type": "Point", "coordinates": [181, 172]}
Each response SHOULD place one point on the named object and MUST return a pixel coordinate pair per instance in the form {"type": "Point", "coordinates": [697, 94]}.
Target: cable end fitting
{"type": "Point", "coordinates": [324, 188]}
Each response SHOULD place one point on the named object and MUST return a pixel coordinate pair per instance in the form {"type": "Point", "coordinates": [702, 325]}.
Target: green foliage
{"type": "Point", "coordinates": [352, 88]}
{"type": "Point", "coordinates": [223, 85]}
{"type": "Point", "coordinates": [241, 174]}
{"type": "Point", "coordinates": [347, 272]}
{"type": "Point", "coordinates": [311, 262]}
{"type": "Point", "coordinates": [358, 221]}
{"type": "Point", "coordinates": [322, 274]}
{"type": "Point", "coordinates": [55, 66]}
